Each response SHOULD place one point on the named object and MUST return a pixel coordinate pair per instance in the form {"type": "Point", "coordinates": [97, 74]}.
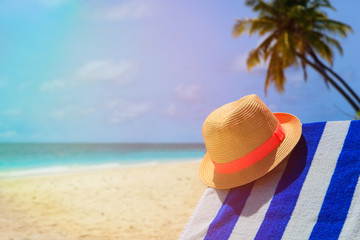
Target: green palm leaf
{"type": "Point", "coordinates": [296, 31]}
{"type": "Point", "coordinates": [293, 26]}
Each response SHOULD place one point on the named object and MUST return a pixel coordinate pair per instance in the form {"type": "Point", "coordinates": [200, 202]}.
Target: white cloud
{"type": "Point", "coordinates": [36, 135]}
{"type": "Point", "coordinates": [133, 9]}
{"type": "Point", "coordinates": [95, 72]}
{"type": "Point", "coordinates": [112, 104]}
{"type": "Point", "coordinates": [177, 111]}
{"type": "Point", "coordinates": [12, 112]}
{"type": "Point", "coordinates": [115, 111]}
{"type": "Point", "coordinates": [23, 85]}
{"type": "Point", "coordinates": [70, 112]}
{"type": "Point", "coordinates": [121, 112]}
{"type": "Point", "coordinates": [186, 101]}
{"type": "Point", "coordinates": [52, 85]}
{"type": "Point", "coordinates": [85, 112]}
{"type": "Point", "coordinates": [106, 70]}
{"type": "Point", "coordinates": [58, 114]}
{"type": "Point", "coordinates": [182, 112]}
{"type": "Point", "coordinates": [171, 110]}
{"type": "Point", "coordinates": [8, 134]}
{"type": "Point", "coordinates": [188, 93]}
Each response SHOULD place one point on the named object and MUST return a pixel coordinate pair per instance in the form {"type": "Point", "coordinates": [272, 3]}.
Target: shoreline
{"type": "Point", "coordinates": [65, 169]}
{"type": "Point", "coordinates": [136, 202]}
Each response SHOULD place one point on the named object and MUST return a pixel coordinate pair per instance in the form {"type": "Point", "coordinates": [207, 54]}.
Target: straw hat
{"type": "Point", "coordinates": [244, 141]}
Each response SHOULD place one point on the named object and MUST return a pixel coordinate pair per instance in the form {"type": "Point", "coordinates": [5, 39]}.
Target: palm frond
{"type": "Point", "coordinates": [241, 26]}
{"type": "Point", "coordinates": [321, 3]}
{"type": "Point", "coordinates": [253, 59]}
{"type": "Point", "coordinates": [251, 25]}
{"type": "Point", "coordinates": [266, 45]}
{"type": "Point", "coordinates": [332, 26]}
{"type": "Point", "coordinates": [262, 25]}
{"type": "Point", "coordinates": [333, 42]}
{"type": "Point", "coordinates": [323, 50]}
{"type": "Point", "coordinates": [315, 36]}
{"type": "Point", "coordinates": [275, 72]}
{"type": "Point", "coordinates": [301, 48]}
{"type": "Point", "coordinates": [262, 51]}
{"type": "Point", "coordinates": [265, 9]}
{"type": "Point", "coordinates": [294, 29]}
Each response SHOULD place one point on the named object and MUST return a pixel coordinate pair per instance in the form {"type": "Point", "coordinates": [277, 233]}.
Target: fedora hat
{"type": "Point", "coordinates": [244, 141]}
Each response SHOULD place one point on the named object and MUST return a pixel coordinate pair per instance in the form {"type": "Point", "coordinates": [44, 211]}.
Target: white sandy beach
{"type": "Point", "coordinates": [144, 202]}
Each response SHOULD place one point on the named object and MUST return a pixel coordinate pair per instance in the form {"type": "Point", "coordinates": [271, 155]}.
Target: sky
{"type": "Point", "coordinates": [144, 70]}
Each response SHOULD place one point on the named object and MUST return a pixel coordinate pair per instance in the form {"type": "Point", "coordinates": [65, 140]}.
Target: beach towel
{"type": "Point", "coordinates": [314, 194]}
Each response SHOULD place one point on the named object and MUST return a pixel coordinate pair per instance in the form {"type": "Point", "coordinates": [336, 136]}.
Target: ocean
{"type": "Point", "coordinates": [23, 159]}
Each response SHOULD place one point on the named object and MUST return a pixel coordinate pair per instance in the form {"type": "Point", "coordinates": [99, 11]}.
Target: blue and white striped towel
{"type": "Point", "coordinates": [313, 195]}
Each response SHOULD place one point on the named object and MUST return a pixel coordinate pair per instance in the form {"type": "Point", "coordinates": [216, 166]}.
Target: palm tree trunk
{"type": "Point", "coordinates": [321, 71]}
{"type": "Point", "coordinates": [342, 81]}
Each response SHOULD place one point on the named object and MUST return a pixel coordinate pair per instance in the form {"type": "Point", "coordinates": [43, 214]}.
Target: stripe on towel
{"type": "Point", "coordinates": [257, 204]}
{"type": "Point", "coordinates": [341, 189]}
{"type": "Point", "coordinates": [353, 218]}
{"type": "Point", "coordinates": [224, 222]}
{"type": "Point", "coordinates": [206, 210]}
{"type": "Point", "coordinates": [317, 181]}
{"type": "Point", "coordinates": [290, 184]}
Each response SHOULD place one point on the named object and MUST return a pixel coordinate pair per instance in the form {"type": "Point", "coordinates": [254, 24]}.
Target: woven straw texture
{"type": "Point", "coordinates": [236, 129]}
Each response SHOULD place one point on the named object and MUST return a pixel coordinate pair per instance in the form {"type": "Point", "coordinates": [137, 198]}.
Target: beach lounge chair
{"type": "Point", "coordinates": [314, 194]}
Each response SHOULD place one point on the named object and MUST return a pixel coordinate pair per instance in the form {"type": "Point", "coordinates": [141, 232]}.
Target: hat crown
{"type": "Point", "coordinates": [237, 128]}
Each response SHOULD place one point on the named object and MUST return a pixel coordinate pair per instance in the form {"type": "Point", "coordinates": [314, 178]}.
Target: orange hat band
{"type": "Point", "coordinates": [256, 155]}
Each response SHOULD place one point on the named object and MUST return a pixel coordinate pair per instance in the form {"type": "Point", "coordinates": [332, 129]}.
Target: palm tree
{"type": "Point", "coordinates": [296, 32]}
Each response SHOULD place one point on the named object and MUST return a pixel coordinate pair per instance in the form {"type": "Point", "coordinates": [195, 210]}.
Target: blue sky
{"type": "Point", "coordinates": [143, 70]}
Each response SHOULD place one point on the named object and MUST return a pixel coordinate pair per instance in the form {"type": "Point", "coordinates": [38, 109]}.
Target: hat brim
{"type": "Point", "coordinates": [211, 178]}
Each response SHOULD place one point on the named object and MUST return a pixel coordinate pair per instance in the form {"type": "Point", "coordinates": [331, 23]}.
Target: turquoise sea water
{"type": "Point", "coordinates": [26, 158]}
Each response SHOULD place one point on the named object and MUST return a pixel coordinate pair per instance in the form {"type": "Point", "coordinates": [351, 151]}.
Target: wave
{"type": "Point", "coordinates": [43, 171]}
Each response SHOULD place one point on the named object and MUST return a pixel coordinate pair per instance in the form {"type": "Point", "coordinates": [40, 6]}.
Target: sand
{"type": "Point", "coordinates": [143, 202]}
